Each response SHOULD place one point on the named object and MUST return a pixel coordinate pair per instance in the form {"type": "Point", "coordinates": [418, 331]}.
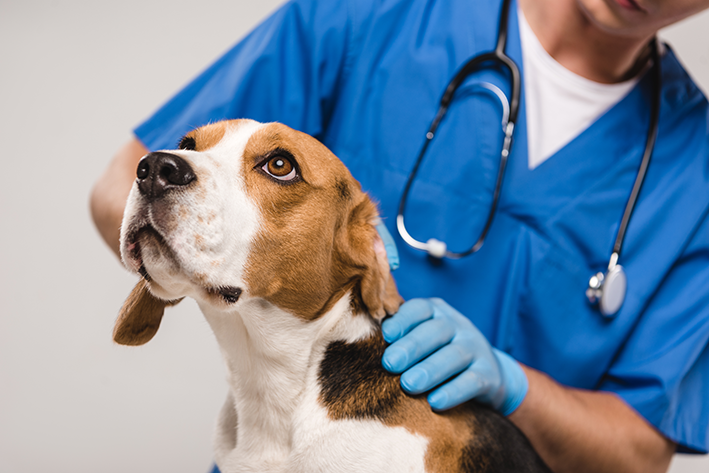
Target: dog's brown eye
{"type": "Point", "coordinates": [281, 168]}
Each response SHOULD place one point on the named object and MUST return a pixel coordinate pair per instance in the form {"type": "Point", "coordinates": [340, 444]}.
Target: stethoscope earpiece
{"type": "Point", "coordinates": [436, 248]}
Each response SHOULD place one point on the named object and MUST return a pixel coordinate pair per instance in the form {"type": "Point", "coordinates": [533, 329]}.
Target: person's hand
{"type": "Point", "coordinates": [455, 353]}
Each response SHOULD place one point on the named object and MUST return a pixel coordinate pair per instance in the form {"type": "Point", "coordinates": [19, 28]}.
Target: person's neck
{"type": "Point", "coordinates": [582, 47]}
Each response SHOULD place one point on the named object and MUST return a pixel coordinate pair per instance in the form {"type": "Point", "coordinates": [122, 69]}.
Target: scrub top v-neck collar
{"type": "Point", "coordinates": [615, 139]}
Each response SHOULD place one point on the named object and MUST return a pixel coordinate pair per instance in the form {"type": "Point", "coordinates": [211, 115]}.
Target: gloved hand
{"type": "Point", "coordinates": [424, 327]}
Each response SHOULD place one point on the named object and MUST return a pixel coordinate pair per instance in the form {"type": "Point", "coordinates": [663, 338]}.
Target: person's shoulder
{"type": "Point", "coordinates": [679, 91]}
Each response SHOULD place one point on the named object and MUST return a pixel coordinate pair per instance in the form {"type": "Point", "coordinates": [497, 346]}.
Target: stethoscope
{"type": "Point", "coordinates": [605, 289]}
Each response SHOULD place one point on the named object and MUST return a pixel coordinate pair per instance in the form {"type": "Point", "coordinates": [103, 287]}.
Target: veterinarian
{"type": "Point", "coordinates": [614, 384]}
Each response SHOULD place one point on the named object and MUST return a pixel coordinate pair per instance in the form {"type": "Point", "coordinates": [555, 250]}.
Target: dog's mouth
{"type": "Point", "coordinates": [136, 241]}
{"type": "Point", "coordinates": [139, 239]}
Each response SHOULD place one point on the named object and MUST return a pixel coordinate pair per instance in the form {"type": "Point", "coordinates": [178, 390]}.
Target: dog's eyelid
{"type": "Point", "coordinates": [264, 158]}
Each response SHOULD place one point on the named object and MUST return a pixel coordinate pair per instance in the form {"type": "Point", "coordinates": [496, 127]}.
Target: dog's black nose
{"type": "Point", "coordinates": [159, 172]}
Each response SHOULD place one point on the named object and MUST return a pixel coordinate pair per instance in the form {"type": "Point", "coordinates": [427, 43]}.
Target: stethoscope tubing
{"type": "Point", "coordinates": [649, 147]}
{"type": "Point", "coordinates": [499, 57]}
{"type": "Point", "coordinates": [607, 289]}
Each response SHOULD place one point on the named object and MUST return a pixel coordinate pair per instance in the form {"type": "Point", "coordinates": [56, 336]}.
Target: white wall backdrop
{"type": "Point", "coordinates": [75, 77]}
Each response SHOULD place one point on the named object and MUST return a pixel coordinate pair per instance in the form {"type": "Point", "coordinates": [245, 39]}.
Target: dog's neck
{"type": "Point", "coordinates": [272, 357]}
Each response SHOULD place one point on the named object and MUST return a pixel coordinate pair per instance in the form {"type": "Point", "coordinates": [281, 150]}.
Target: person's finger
{"type": "Point", "coordinates": [423, 340]}
{"type": "Point", "coordinates": [464, 387]}
{"type": "Point", "coordinates": [442, 308]}
{"type": "Point", "coordinates": [437, 368]}
{"type": "Point", "coordinates": [410, 314]}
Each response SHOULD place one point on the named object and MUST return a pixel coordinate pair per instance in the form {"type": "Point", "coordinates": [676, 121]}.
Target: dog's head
{"type": "Point", "coordinates": [248, 210]}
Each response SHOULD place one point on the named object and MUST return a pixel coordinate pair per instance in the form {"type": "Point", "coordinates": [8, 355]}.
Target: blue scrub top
{"type": "Point", "coordinates": [365, 78]}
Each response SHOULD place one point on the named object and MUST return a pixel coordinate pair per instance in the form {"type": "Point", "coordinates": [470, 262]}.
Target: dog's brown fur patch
{"type": "Point", "coordinates": [308, 258]}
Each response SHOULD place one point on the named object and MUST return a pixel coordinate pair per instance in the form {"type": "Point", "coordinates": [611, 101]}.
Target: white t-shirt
{"type": "Point", "coordinates": [560, 104]}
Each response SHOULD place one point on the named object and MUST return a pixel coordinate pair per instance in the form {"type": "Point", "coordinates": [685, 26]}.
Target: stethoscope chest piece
{"type": "Point", "coordinates": [608, 290]}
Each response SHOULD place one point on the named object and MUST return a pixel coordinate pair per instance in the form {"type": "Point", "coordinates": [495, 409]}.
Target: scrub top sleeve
{"type": "Point", "coordinates": [287, 69]}
{"type": "Point", "coordinates": [663, 370]}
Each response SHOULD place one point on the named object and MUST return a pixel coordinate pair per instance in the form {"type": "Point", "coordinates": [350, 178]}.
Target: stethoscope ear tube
{"type": "Point", "coordinates": [434, 247]}
{"type": "Point", "coordinates": [649, 147]}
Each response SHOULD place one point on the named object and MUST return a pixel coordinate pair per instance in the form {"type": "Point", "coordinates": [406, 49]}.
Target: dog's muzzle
{"type": "Point", "coordinates": [161, 172]}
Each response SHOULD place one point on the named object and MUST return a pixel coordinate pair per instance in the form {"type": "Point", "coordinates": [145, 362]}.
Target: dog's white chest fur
{"type": "Point", "coordinates": [323, 445]}
{"type": "Point", "coordinates": [282, 425]}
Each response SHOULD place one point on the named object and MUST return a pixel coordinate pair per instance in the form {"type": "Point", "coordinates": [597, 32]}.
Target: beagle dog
{"type": "Point", "coordinates": [267, 230]}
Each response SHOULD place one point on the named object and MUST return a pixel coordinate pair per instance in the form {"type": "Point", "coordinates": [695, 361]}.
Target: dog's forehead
{"type": "Point", "coordinates": [221, 135]}
{"type": "Point", "coordinates": [222, 141]}
{"type": "Point", "coordinates": [252, 141]}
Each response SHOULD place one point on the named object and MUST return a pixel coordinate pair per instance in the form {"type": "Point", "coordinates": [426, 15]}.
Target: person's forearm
{"type": "Point", "coordinates": [588, 431]}
{"type": "Point", "coordinates": [109, 195]}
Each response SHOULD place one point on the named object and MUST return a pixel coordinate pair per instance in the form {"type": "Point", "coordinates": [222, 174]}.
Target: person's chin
{"type": "Point", "coordinates": [623, 18]}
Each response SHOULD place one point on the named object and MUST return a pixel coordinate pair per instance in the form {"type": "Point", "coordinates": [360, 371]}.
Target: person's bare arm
{"type": "Point", "coordinates": [109, 195]}
{"type": "Point", "coordinates": [579, 431]}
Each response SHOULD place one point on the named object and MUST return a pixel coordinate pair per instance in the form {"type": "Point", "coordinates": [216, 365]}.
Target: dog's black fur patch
{"type": "Point", "coordinates": [498, 446]}
{"type": "Point", "coordinates": [352, 377]}
{"type": "Point", "coordinates": [352, 374]}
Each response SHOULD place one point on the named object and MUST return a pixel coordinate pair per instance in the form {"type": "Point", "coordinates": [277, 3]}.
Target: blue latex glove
{"type": "Point", "coordinates": [449, 345]}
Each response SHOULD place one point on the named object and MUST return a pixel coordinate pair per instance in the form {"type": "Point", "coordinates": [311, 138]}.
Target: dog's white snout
{"type": "Point", "coordinates": [160, 172]}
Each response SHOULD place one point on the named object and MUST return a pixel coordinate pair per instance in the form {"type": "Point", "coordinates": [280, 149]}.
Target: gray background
{"type": "Point", "coordinates": [75, 77]}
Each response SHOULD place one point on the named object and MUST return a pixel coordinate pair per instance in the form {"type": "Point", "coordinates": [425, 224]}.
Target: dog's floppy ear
{"type": "Point", "coordinates": [140, 316]}
{"type": "Point", "coordinates": [389, 295]}
{"type": "Point", "coordinates": [377, 288]}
